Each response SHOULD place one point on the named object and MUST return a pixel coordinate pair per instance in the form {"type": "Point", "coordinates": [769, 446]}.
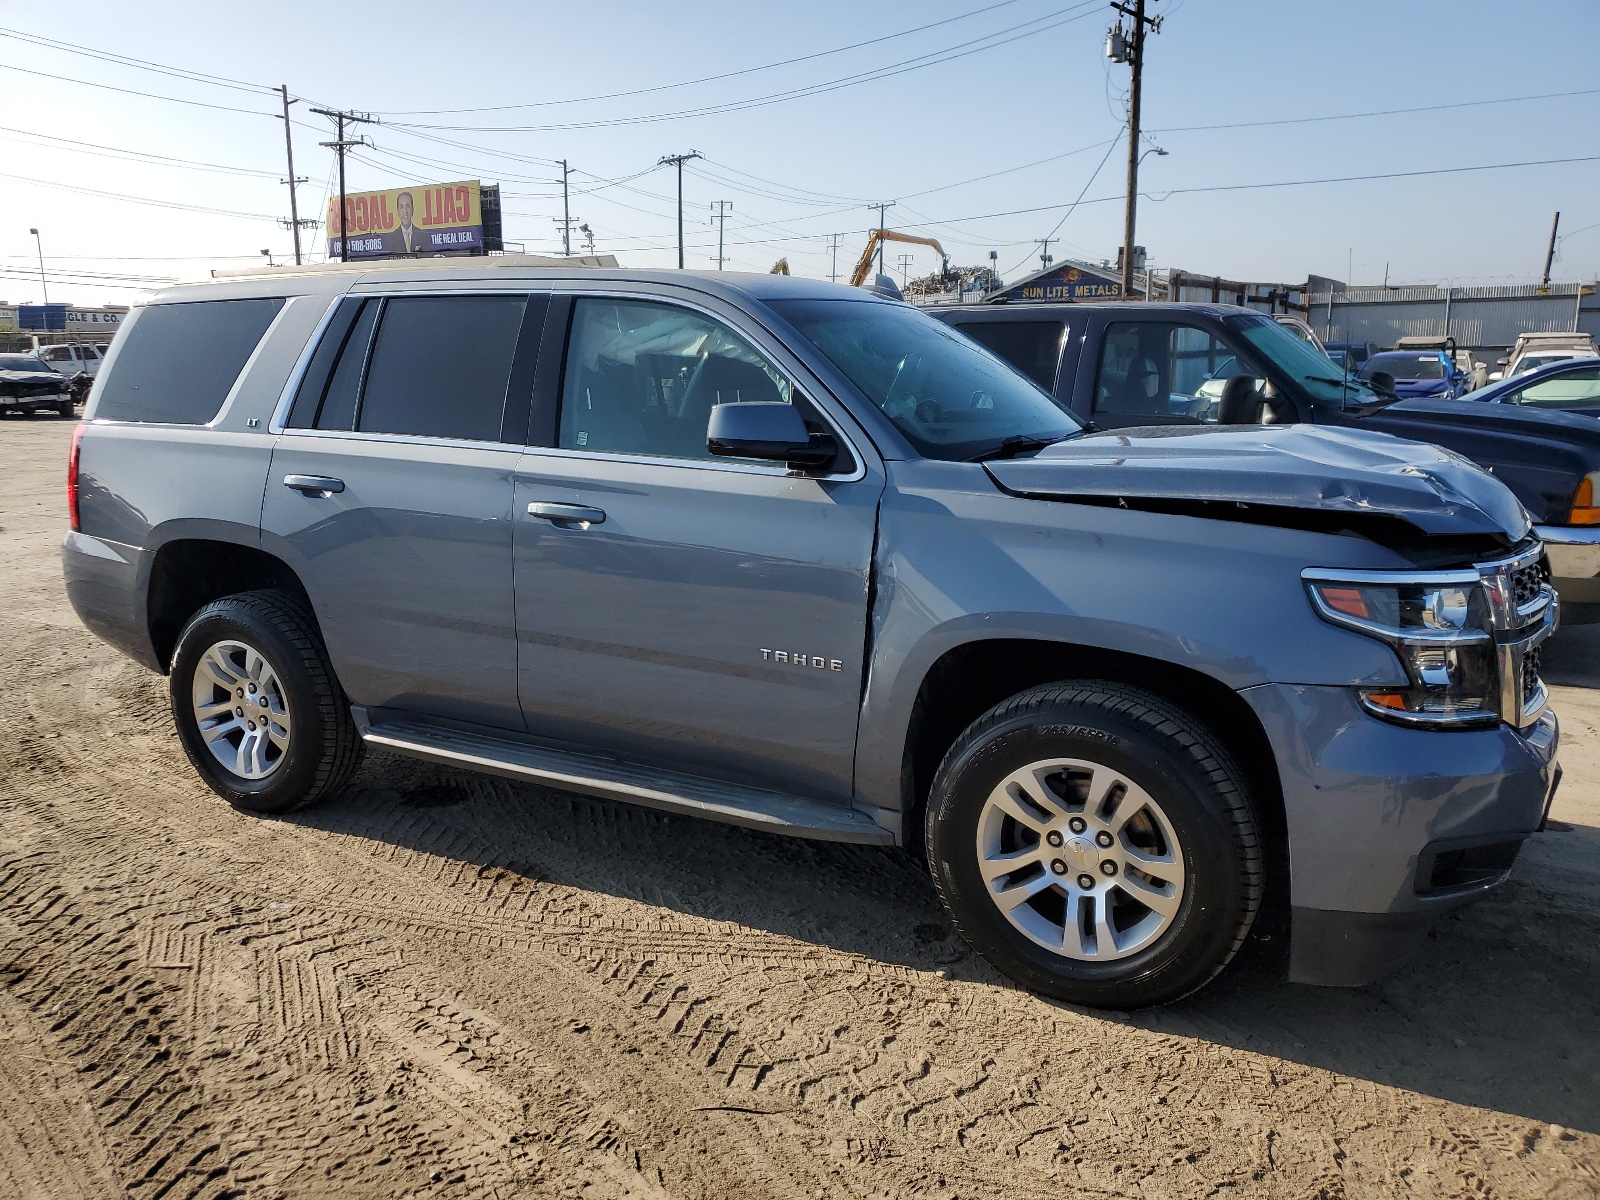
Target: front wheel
{"type": "Point", "coordinates": [258, 709]}
{"type": "Point", "coordinates": [1097, 844]}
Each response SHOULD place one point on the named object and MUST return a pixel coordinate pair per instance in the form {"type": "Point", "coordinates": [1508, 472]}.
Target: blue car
{"type": "Point", "coordinates": [1572, 385]}
{"type": "Point", "coordinates": [1418, 373]}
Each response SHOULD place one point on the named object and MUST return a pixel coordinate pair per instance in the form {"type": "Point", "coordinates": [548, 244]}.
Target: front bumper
{"type": "Point", "coordinates": [37, 400]}
{"type": "Point", "coordinates": [1376, 815]}
{"type": "Point", "coordinates": [1574, 552]}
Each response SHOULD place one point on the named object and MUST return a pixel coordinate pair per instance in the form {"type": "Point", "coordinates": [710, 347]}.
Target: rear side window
{"type": "Point", "coordinates": [179, 361]}
{"type": "Point", "coordinates": [440, 365]}
{"type": "Point", "coordinates": [1032, 347]}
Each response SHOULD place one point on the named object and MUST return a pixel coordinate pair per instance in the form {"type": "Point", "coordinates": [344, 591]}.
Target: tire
{"type": "Point", "coordinates": [66, 409]}
{"type": "Point", "coordinates": [1028, 797]}
{"type": "Point", "coordinates": [307, 747]}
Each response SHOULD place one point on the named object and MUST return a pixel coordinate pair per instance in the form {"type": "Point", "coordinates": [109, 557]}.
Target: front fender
{"type": "Point", "coordinates": [958, 561]}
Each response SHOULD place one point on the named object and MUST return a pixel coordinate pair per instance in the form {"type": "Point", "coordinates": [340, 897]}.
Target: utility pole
{"type": "Point", "coordinates": [723, 207]}
{"type": "Point", "coordinates": [905, 268]}
{"type": "Point", "coordinates": [339, 146]}
{"type": "Point", "coordinates": [1550, 254]}
{"type": "Point", "coordinates": [39, 242]}
{"type": "Point", "coordinates": [833, 239]}
{"type": "Point", "coordinates": [1044, 250]}
{"type": "Point", "coordinates": [677, 160]}
{"type": "Point", "coordinates": [1129, 48]}
{"type": "Point", "coordinates": [288, 145]}
{"type": "Point", "coordinates": [566, 212]}
{"type": "Point", "coordinates": [882, 208]}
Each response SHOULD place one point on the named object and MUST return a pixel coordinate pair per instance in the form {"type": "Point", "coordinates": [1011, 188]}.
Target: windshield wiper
{"type": "Point", "coordinates": [1019, 443]}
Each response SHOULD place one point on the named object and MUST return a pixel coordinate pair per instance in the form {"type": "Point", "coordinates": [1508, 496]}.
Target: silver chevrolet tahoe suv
{"type": "Point", "coordinates": [788, 555]}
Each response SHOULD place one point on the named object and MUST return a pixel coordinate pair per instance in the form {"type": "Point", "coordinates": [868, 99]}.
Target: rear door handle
{"type": "Point", "coordinates": [313, 485]}
{"type": "Point", "coordinates": [567, 514]}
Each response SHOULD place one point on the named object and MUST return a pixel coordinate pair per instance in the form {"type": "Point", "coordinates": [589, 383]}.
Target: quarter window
{"type": "Point", "coordinates": [1163, 370]}
{"type": "Point", "coordinates": [642, 378]}
{"type": "Point", "coordinates": [178, 362]}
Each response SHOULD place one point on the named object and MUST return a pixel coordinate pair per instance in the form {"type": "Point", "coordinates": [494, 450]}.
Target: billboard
{"type": "Point", "coordinates": [1069, 283]}
{"type": "Point", "coordinates": [427, 219]}
{"type": "Point", "coordinates": [42, 318]}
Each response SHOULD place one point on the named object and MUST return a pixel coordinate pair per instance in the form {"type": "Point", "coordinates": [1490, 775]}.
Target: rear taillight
{"type": "Point", "coordinates": [72, 479]}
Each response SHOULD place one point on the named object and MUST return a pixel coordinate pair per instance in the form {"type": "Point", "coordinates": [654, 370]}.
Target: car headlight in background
{"type": "Point", "coordinates": [1439, 627]}
{"type": "Point", "coordinates": [1584, 511]}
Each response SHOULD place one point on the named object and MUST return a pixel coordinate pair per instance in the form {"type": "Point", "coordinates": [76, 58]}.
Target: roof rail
{"type": "Point", "coordinates": [475, 262]}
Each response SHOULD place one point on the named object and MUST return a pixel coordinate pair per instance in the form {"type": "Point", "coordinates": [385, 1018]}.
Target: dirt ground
{"type": "Point", "coordinates": [447, 985]}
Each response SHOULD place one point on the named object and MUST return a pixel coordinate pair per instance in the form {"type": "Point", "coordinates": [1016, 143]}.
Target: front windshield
{"type": "Point", "coordinates": [1313, 370]}
{"type": "Point", "coordinates": [950, 397]}
{"type": "Point", "coordinates": [21, 362]}
{"type": "Point", "coordinates": [1532, 362]}
{"type": "Point", "coordinates": [1405, 366]}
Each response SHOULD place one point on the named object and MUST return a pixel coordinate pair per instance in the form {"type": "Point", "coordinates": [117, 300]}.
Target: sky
{"type": "Point", "coordinates": [147, 148]}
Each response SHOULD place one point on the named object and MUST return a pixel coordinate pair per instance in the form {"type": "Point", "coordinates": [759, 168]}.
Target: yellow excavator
{"type": "Point", "coordinates": [781, 267]}
{"type": "Point", "coordinates": [879, 236]}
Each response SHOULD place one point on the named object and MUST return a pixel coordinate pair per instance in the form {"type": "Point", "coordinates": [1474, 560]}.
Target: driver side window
{"type": "Point", "coordinates": [1160, 372]}
{"type": "Point", "coordinates": [642, 378]}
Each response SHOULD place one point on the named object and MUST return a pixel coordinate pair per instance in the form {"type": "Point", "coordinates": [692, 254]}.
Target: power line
{"type": "Point", "coordinates": [135, 92]}
{"type": "Point", "coordinates": [139, 63]}
{"type": "Point", "coordinates": [663, 87]}
{"type": "Point", "coordinates": [125, 155]}
{"type": "Point", "coordinates": [1387, 112]}
{"type": "Point", "coordinates": [1245, 187]}
{"type": "Point", "coordinates": [1071, 208]}
{"type": "Point", "coordinates": [920, 62]}
{"type": "Point", "coordinates": [67, 187]}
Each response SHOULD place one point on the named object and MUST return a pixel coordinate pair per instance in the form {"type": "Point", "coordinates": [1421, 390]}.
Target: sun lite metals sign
{"type": "Point", "coordinates": [427, 219]}
{"type": "Point", "coordinates": [1069, 283]}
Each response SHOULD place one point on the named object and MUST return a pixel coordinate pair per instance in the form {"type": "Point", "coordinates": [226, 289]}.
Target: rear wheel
{"type": "Point", "coordinates": [1096, 843]}
{"type": "Point", "coordinates": [257, 706]}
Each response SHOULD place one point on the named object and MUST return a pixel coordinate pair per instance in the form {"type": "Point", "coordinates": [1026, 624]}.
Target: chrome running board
{"type": "Point", "coordinates": [614, 779]}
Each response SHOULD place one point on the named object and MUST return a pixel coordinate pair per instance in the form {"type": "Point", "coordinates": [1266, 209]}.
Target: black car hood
{"type": "Point", "coordinates": [1348, 475]}
{"type": "Point", "coordinates": [44, 376]}
{"type": "Point", "coordinates": [1487, 414]}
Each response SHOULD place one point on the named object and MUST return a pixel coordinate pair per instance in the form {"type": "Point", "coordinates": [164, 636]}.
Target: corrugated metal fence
{"type": "Point", "coordinates": [1479, 318]}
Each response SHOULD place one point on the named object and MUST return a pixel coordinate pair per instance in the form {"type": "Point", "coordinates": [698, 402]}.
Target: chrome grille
{"type": "Point", "coordinates": [1523, 612]}
{"type": "Point", "coordinates": [1526, 582]}
{"type": "Point", "coordinates": [1530, 675]}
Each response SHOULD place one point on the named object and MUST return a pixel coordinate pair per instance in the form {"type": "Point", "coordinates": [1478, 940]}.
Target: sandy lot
{"type": "Point", "coordinates": [447, 985]}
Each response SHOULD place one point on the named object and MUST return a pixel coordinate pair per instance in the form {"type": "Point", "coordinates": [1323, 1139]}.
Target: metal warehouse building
{"type": "Point", "coordinates": [1478, 318]}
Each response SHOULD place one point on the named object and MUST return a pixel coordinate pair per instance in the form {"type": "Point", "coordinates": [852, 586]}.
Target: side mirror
{"type": "Point", "coordinates": [1381, 382]}
{"type": "Point", "coordinates": [1502, 362]}
{"type": "Point", "coordinates": [768, 430]}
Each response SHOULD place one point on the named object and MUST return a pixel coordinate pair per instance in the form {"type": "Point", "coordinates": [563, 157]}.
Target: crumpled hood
{"type": "Point", "coordinates": [43, 375]}
{"type": "Point", "coordinates": [1310, 467]}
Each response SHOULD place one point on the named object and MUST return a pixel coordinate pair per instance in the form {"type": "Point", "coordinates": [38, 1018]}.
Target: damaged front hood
{"type": "Point", "coordinates": [43, 375]}
{"type": "Point", "coordinates": [1331, 472]}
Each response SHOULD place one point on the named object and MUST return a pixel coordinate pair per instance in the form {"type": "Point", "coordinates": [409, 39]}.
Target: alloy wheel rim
{"type": "Point", "coordinates": [1080, 859]}
{"type": "Point", "coordinates": [240, 710]}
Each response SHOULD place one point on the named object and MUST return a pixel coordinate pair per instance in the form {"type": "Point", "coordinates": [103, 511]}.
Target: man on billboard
{"type": "Point", "coordinates": [409, 239]}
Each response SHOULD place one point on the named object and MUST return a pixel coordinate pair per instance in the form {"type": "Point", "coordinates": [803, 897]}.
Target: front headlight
{"type": "Point", "coordinates": [1438, 625]}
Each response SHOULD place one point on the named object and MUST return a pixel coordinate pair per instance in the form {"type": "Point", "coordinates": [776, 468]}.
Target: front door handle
{"type": "Point", "coordinates": [567, 514]}
{"type": "Point", "coordinates": [313, 485]}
